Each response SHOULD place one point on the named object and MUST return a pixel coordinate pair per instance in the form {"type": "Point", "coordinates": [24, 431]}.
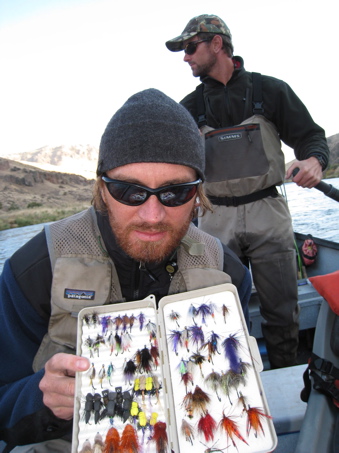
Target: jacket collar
{"type": "Point", "coordinates": [238, 70]}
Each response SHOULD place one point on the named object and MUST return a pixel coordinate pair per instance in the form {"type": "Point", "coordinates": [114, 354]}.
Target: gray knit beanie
{"type": "Point", "coordinates": [151, 127]}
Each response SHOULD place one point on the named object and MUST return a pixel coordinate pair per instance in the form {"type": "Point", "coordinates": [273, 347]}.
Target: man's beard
{"type": "Point", "coordinates": [203, 70]}
{"type": "Point", "coordinates": [148, 251]}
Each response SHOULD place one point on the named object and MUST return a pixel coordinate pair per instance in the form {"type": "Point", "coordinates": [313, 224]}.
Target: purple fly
{"type": "Point", "coordinates": [231, 347]}
{"type": "Point", "coordinates": [175, 339]}
{"type": "Point", "coordinates": [197, 335]}
{"type": "Point", "coordinates": [204, 311]}
{"type": "Point", "coordinates": [105, 323]}
{"type": "Point", "coordinates": [141, 318]}
{"type": "Point", "coordinates": [192, 312]}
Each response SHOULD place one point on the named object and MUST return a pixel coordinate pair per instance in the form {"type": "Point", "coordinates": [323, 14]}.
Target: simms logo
{"type": "Point", "coordinates": [228, 137]}
{"type": "Point", "coordinates": [78, 294]}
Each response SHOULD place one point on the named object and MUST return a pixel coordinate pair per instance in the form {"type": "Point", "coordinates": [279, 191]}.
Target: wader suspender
{"type": "Point", "coordinates": [257, 102]}
{"type": "Point", "coordinates": [325, 376]}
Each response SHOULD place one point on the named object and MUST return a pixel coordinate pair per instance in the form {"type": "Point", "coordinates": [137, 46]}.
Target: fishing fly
{"type": "Point", "coordinates": [175, 339]}
{"type": "Point", "coordinates": [187, 431]}
{"type": "Point", "coordinates": [129, 371]}
{"type": "Point", "coordinates": [174, 316]}
{"type": "Point", "coordinates": [197, 335]}
{"type": "Point", "coordinates": [213, 449]}
{"type": "Point", "coordinates": [112, 441]}
{"type": "Point", "coordinates": [105, 322]}
{"type": "Point", "coordinates": [231, 429]}
{"type": "Point", "coordinates": [102, 374]}
{"type": "Point", "coordinates": [213, 381]}
{"type": "Point", "coordinates": [129, 440]}
{"type": "Point", "coordinates": [212, 346]}
{"type": "Point", "coordinates": [207, 426]}
{"type": "Point", "coordinates": [255, 415]}
{"type": "Point", "coordinates": [225, 312]}
{"type": "Point", "coordinates": [198, 359]}
{"type": "Point", "coordinates": [231, 346]}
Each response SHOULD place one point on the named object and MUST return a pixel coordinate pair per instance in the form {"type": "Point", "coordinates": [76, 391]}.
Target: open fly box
{"type": "Point", "coordinates": [183, 377]}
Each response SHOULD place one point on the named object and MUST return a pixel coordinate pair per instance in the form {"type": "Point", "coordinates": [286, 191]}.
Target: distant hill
{"type": "Point", "coordinates": [56, 178]}
{"type": "Point", "coordinates": [333, 169]}
{"type": "Point", "coordinates": [82, 159]}
{"type": "Point", "coordinates": [28, 191]}
{"type": "Point", "coordinates": [76, 159]}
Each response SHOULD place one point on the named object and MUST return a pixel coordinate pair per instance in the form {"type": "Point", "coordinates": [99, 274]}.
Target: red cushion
{"type": "Point", "coordinates": [328, 287]}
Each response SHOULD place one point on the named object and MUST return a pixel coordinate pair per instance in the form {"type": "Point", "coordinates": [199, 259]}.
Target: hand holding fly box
{"type": "Point", "coordinates": [192, 382]}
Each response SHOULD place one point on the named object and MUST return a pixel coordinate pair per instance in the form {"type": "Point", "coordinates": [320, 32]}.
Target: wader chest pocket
{"type": "Point", "coordinates": [235, 152]}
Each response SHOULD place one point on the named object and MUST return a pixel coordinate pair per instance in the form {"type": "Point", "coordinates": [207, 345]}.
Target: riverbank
{"type": "Point", "coordinates": [29, 195]}
{"type": "Point", "coordinates": [34, 216]}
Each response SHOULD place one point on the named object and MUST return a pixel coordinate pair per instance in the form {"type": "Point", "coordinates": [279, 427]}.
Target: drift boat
{"type": "Point", "coordinates": [301, 427]}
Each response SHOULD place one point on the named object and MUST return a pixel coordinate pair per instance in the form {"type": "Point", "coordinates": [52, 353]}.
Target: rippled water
{"type": "Point", "coordinates": [312, 213]}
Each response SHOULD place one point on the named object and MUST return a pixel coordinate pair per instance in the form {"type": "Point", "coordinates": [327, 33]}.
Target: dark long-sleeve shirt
{"type": "Point", "coordinates": [230, 104]}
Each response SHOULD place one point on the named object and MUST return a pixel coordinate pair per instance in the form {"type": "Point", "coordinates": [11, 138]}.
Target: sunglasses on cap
{"type": "Point", "coordinates": [191, 47]}
{"type": "Point", "coordinates": [135, 194]}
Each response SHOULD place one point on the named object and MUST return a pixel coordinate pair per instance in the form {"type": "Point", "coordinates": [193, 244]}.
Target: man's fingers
{"type": "Point", "coordinates": [58, 383]}
{"type": "Point", "coordinates": [66, 364]}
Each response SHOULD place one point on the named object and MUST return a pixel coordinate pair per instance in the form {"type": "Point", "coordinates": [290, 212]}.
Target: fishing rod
{"type": "Point", "coordinates": [326, 189]}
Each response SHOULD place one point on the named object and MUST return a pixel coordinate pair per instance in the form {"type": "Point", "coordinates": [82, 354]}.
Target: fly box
{"type": "Point", "coordinates": [183, 377]}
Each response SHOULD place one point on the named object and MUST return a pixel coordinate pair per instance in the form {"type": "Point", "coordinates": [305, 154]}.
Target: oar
{"type": "Point", "coordinates": [326, 189]}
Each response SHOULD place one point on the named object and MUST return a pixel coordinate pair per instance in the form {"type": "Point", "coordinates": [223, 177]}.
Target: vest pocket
{"type": "Point", "coordinates": [78, 282]}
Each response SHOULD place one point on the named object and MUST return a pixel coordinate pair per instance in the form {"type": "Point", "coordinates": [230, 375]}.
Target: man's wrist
{"type": "Point", "coordinates": [320, 159]}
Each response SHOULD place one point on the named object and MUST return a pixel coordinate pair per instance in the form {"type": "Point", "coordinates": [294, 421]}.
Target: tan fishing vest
{"type": "Point", "coordinates": [85, 276]}
{"type": "Point", "coordinates": [243, 159]}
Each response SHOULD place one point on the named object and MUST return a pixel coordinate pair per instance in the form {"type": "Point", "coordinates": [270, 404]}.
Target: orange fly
{"type": "Point", "coordinates": [254, 417]}
{"type": "Point", "coordinates": [112, 441]}
{"type": "Point", "coordinates": [129, 440]}
{"type": "Point", "coordinates": [231, 429]}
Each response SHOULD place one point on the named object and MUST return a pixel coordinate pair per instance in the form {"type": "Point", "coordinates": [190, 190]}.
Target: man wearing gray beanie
{"type": "Point", "coordinates": [137, 239]}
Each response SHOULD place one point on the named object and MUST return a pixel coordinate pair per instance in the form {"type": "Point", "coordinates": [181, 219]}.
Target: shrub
{"type": "Point", "coordinates": [33, 204]}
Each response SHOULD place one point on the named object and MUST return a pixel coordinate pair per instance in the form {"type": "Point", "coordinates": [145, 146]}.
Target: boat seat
{"type": "Point", "coordinates": [282, 389]}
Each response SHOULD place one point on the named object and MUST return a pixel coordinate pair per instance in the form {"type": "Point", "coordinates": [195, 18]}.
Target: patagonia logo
{"type": "Point", "coordinates": [228, 137]}
{"type": "Point", "coordinates": [80, 294]}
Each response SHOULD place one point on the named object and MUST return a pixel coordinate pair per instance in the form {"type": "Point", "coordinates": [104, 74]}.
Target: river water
{"type": "Point", "coordinates": [312, 213]}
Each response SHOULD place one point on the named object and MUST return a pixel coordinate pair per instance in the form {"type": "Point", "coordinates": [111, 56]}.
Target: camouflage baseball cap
{"type": "Point", "coordinates": [205, 23]}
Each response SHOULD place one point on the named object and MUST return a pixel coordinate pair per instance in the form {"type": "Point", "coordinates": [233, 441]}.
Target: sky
{"type": "Point", "coordinates": [68, 65]}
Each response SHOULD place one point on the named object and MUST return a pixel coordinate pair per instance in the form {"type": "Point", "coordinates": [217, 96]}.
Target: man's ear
{"type": "Point", "coordinates": [103, 193]}
{"type": "Point", "coordinates": [217, 43]}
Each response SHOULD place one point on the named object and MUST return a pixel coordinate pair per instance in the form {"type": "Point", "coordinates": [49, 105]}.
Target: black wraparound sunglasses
{"type": "Point", "coordinates": [135, 194]}
{"type": "Point", "coordinates": [191, 47]}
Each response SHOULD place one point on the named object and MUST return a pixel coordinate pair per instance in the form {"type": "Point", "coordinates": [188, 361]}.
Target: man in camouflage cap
{"type": "Point", "coordinates": [248, 213]}
{"type": "Point", "coordinates": [199, 24]}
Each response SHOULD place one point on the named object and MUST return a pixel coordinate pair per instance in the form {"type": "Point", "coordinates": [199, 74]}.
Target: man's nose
{"type": "Point", "coordinates": [186, 57]}
{"type": "Point", "coordinates": [152, 211]}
